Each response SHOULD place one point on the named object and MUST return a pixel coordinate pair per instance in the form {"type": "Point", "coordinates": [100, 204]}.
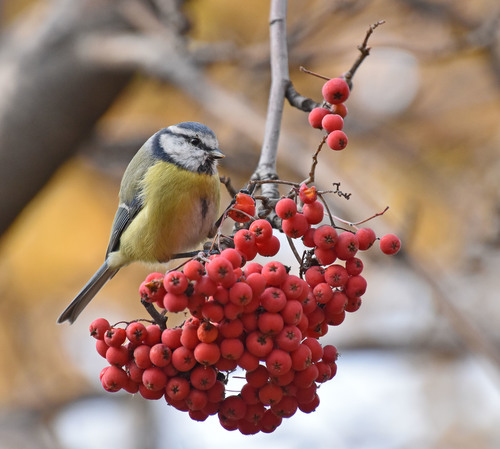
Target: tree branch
{"type": "Point", "coordinates": [280, 79]}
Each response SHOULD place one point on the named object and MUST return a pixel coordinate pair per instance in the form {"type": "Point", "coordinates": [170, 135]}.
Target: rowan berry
{"type": "Point", "coordinates": [390, 244]}
{"type": "Point", "coordinates": [325, 237]}
{"type": "Point", "coordinates": [99, 327]}
{"type": "Point", "coordinates": [314, 212]}
{"type": "Point", "coordinates": [270, 247]}
{"type": "Point", "coordinates": [285, 208]}
{"type": "Point", "coordinates": [337, 140]}
{"type": "Point", "coordinates": [240, 293]}
{"type": "Point", "coordinates": [316, 116]}
{"type": "Point", "coordinates": [273, 299]}
{"type": "Point", "coordinates": [347, 245]}
{"type": "Point", "coordinates": [301, 357]}
{"type": "Point", "coordinates": [336, 275]}
{"type": "Point", "coordinates": [323, 292]}
{"type": "Point", "coordinates": [340, 109]}
{"type": "Point", "coordinates": [292, 312]}
{"type": "Point", "coordinates": [113, 378]}
{"type": "Point", "coordinates": [335, 91]}
{"type": "Point", "coordinates": [259, 344]}
{"type": "Point", "coordinates": [354, 266]}
{"type": "Point", "coordinates": [270, 323]}
{"type": "Point", "coordinates": [307, 194]}
{"type": "Point", "coordinates": [332, 122]}
{"type": "Point", "coordinates": [366, 237]}
{"type": "Point", "coordinates": [355, 286]}
{"type": "Point", "coordinates": [289, 338]}
{"type": "Point", "coordinates": [315, 275]}
{"type": "Point", "coordinates": [183, 359]}
{"type": "Point", "coordinates": [160, 355]}
{"type": "Point", "coordinates": [219, 269]}
{"type": "Point", "coordinates": [274, 272]}
{"type": "Point", "coordinates": [231, 348]}
{"type": "Point", "coordinates": [270, 394]}
{"type": "Point", "coordinates": [196, 399]}
{"type": "Point", "coordinates": [117, 355]}
{"type": "Point", "coordinates": [175, 302]}
{"type": "Point", "coordinates": [177, 388]}
{"type": "Point", "coordinates": [194, 270]}
{"type": "Point", "coordinates": [154, 379]}
{"type": "Point", "coordinates": [243, 208]}
{"type": "Point", "coordinates": [325, 256]}
{"type": "Point", "coordinates": [203, 377]}
{"type": "Point", "coordinates": [175, 282]}
{"type": "Point", "coordinates": [207, 332]}
{"type": "Point", "coordinates": [136, 332]}
{"type": "Point", "coordinates": [172, 337]}
{"type": "Point", "coordinates": [286, 407]}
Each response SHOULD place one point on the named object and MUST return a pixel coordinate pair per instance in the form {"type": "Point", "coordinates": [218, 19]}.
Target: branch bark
{"type": "Point", "coordinates": [280, 80]}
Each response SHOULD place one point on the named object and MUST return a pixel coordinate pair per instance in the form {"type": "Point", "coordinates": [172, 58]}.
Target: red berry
{"type": "Point", "coordinates": [175, 302]}
{"type": "Point", "coordinates": [160, 355]}
{"type": "Point", "coordinates": [307, 194]}
{"type": "Point", "coordinates": [323, 292]}
{"type": "Point", "coordinates": [142, 356]}
{"type": "Point", "coordinates": [337, 140]}
{"type": "Point", "coordinates": [177, 388]}
{"type": "Point", "coordinates": [273, 299]}
{"type": "Point", "coordinates": [175, 282]}
{"type": "Point", "coordinates": [233, 407]}
{"type": "Point", "coordinates": [335, 91]}
{"type": "Point", "coordinates": [286, 208]}
{"type": "Point", "coordinates": [194, 270]}
{"type": "Point", "coordinates": [98, 328]}
{"type": "Point", "coordinates": [203, 377]}
{"type": "Point", "coordinates": [172, 337]}
{"type": "Point", "coordinates": [313, 212]}
{"type": "Point", "coordinates": [325, 256]}
{"type": "Point", "coordinates": [207, 353]}
{"type": "Point", "coordinates": [115, 336]}
{"type": "Point", "coordinates": [270, 394]}
{"type": "Point", "coordinates": [152, 290]}
{"type": "Point", "coordinates": [347, 245]}
{"type": "Point", "coordinates": [390, 244]}
{"type": "Point", "coordinates": [270, 323]}
{"type": "Point", "coordinates": [259, 344]}
{"type": "Point", "coordinates": [207, 332]}
{"type": "Point", "coordinates": [220, 269]}
{"type": "Point", "coordinates": [183, 359]}
{"type": "Point", "coordinates": [315, 275]}
{"type": "Point", "coordinates": [355, 286]}
{"type": "Point", "coordinates": [274, 272]}
{"type": "Point", "coordinates": [296, 226]}
{"type": "Point", "coordinates": [154, 379]}
{"type": "Point", "coordinates": [231, 348]}
{"type": "Point", "coordinates": [269, 247]}
{"type": "Point", "coordinates": [332, 122]}
{"type": "Point", "coordinates": [278, 362]}
{"type": "Point", "coordinates": [336, 275]}
{"type": "Point", "coordinates": [366, 237]}
{"type": "Point", "coordinates": [340, 109]}
{"type": "Point", "coordinates": [354, 266]}
{"type": "Point", "coordinates": [243, 208]}
{"type": "Point", "coordinates": [325, 237]}
{"type": "Point", "coordinates": [262, 230]}
{"type": "Point", "coordinates": [240, 293]}
{"type": "Point", "coordinates": [118, 356]}
{"type": "Point", "coordinates": [289, 338]}
{"type": "Point", "coordinates": [316, 116]}
{"type": "Point", "coordinates": [114, 379]}
{"type": "Point", "coordinates": [136, 332]}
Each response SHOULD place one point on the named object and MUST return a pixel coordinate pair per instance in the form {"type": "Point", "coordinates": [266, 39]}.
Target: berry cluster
{"type": "Point", "coordinates": [258, 318]}
{"type": "Point", "coordinates": [330, 116]}
{"type": "Point", "coordinates": [243, 315]}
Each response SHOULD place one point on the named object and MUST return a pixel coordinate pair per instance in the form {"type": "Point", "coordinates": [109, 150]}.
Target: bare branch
{"type": "Point", "coordinates": [280, 78]}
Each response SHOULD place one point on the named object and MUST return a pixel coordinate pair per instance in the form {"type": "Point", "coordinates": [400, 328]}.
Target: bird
{"type": "Point", "coordinates": [168, 203]}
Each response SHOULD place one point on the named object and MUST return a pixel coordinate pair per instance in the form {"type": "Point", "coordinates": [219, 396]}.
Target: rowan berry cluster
{"type": "Point", "coordinates": [244, 315]}
{"type": "Point", "coordinates": [330, 116]}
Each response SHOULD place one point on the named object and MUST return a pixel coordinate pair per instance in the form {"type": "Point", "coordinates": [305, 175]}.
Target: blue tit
{"type": "Point", "coordinates": [169, 200]}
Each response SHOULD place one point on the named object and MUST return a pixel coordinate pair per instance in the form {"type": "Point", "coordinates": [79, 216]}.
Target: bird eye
{"type": "Point", "coordinates": [195, 141]}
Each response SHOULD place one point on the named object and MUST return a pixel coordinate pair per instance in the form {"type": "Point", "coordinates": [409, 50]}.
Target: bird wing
{"type": "Point", "coordinates": [124, 216]}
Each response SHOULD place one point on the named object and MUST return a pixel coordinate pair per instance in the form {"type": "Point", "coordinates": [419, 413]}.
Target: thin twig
{"type": "Point", "coordinates": [364, 52]}
{"type": "Point", "coordinates": [315, 161]}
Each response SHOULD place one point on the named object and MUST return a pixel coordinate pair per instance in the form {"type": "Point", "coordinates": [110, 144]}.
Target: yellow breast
{"type": "Point", "coordinates": [180, 207]}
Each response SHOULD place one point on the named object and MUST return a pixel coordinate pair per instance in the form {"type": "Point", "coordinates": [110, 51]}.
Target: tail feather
{"type": "Point", "coordinates": [83, 298]}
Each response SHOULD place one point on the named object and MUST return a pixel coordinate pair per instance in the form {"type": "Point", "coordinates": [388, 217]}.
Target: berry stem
{"type": "Point", "coordinates": [159, 318]}
{"type": "Point", "coordinates": [364, 52]}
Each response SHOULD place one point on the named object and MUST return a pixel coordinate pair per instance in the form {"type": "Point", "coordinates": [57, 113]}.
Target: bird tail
{"type": "Point", "coordinates": [102, 275]}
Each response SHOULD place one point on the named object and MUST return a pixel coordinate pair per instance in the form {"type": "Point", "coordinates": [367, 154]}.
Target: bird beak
{"type": "Point", "coordinates": [217, 154]}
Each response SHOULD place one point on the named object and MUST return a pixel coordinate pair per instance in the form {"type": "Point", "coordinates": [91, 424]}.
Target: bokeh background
{"type": "Point", "coordinates": [83, 84]}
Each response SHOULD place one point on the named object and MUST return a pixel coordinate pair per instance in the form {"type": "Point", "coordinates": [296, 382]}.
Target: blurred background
{"type": "Point", "coordinates": [84, 84]}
